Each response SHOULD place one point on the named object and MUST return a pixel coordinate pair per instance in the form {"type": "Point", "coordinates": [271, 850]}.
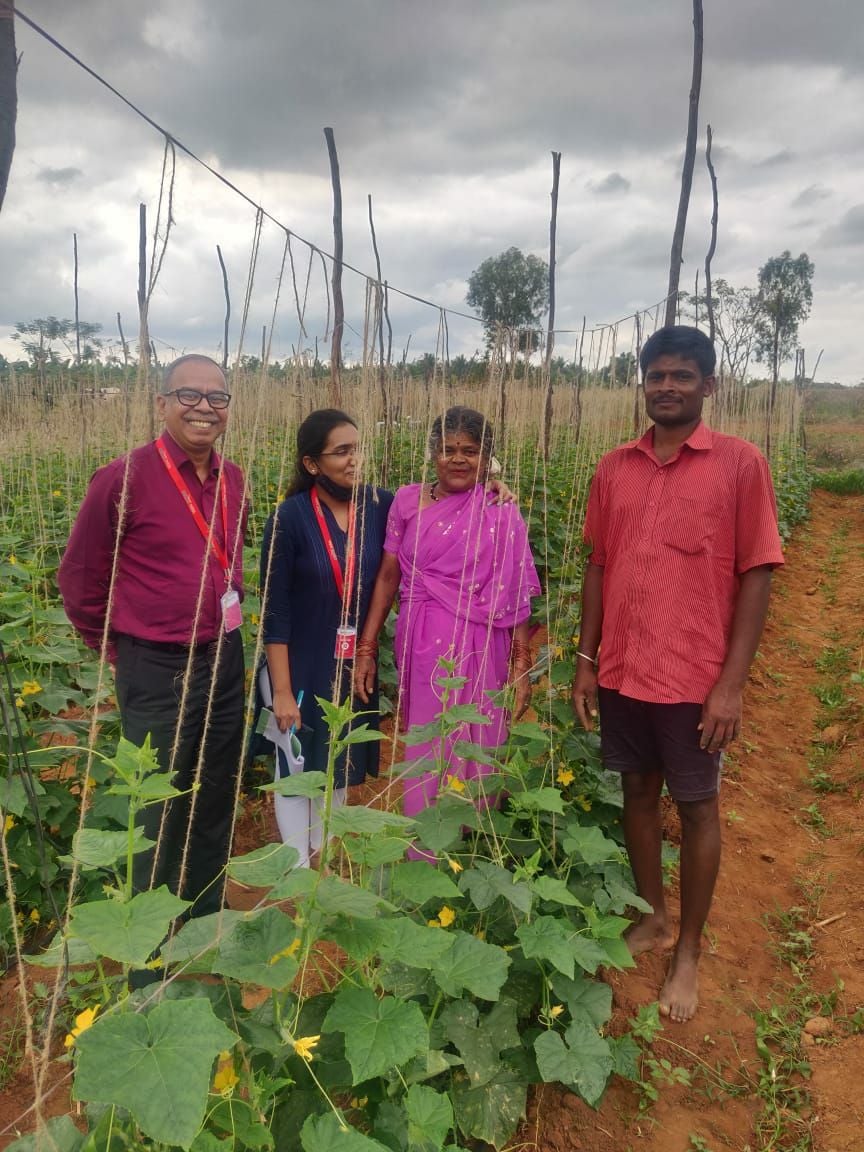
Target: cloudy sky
{"type": "Point", "coordinates": [446, 112]}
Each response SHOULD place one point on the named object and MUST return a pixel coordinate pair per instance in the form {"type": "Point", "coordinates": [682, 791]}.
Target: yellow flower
{"type": "Point", "coordinates": [446, 917]}
{"type": "Point", "coordinates": [291, 950]}
{"type": "Point", "coordinates": [155, 964]}
{"type": "Point", "coordinates": [565, 777]}
{"type": "Point", "coordinates": [30, 688]}
{"type": "Point", "coordinates": [82, 1022]}
{"type": "Point", "coordinates": [559, 652]}
{"type": "Point", "coordinates": [34, 916]}
{"type": "Point", "coordinates": [456, 784]}
{"type": "Point", "coordinates": [13, 559]}
{"type": "Point", "coordinates": [358, 1101]}
{"type": "Point", "coordinates": [556, 1010]}
{"type": "Point", "coordinates": [91, 783]}
{"type": "Point", "coordinates": [225, 1078]}
{"type": "Point", "coordinates": [304, 1046]}
{"type": "Point", "coordinates": [56, 492]}
{"type": "Point", "coordinates": [454, 865]}
{"type": "Point", "coordinates": [19, 703]}
{"type": "Point", "coordinates": [253, 617]}
{"type": "Point", "coordinates": [8, 823]}
{"type": "Point", "coordinates": [584, 803]}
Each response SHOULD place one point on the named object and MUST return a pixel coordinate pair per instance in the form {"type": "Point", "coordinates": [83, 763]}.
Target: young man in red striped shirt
{"type": "Point", "coordinates": [682, 527]}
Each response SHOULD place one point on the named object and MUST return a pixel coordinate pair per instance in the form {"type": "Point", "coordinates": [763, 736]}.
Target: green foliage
{"type": "Point", "coordinates": [849, 482]}
{"type": "Point", "coordinates": [510, 290]}
{"type": "Point", "coordinates": [784, 300]}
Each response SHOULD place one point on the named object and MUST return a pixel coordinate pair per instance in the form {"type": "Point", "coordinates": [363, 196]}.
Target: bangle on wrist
{"type": "Point", "coordinates": [585, 656]}
{"type": "Point", "coordinates": [367, 648]}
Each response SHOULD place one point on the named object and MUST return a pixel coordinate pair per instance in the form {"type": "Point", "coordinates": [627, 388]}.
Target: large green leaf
{"type": "Point", "coordinates": [472, 964]}
{"type": "Point", "coordinates": [157, 1065]}
{"type": "Point", "coordinates": [241, 1121]}
{"type": "Point", "coordinates": [298, 882]}
{"type": "Point", "coordinates": [416, 881]}
{"type": "Point", "coordinates": [365, 821]}
{"type": "Point", "coordinates": [13, 797]}
{"type": "Point", "coordinates": [584, 1063]}
{"type": "Point", "coordinates": [79, 952]}
{"type": "Point", "coordinates": [93, 848]}
{"type": "Point", "coordinates": [485, 882]}
{"type": "Point", "coordinates": [326, 1134]}
{"type": "Point", "coordinates": [589, 843]}
{"type": "Point", "coordinates": [417, 945]}
{"type": "Point", "coordinates": [127, 931]}
{"type": "Point", "coordinates": [493, 1111]}
{"type": "Point", "coordinates": [553, 889]}
{"type": "Point", "coordinates": [547, 938]}
{"type": "Point", "coordinates": [195, 944]}
{"type": "Point", "coordinates": [439, 827]}
{"type": "Point", "coordinates": [480, 1041]}
{"type": "Point", "coordinates": [256, 950]}
{"type": "Point", "coordinates": [361, 939]}
{"type": "Point", "coordinates": [591, 998]}
{"type": "Point", "coordinates": [57, 1135]}
{"type": "Point", "coordinates": [430, 1117]}
{"type": "Point", "coordinates": [308, 784]}
{"type": "Point", "coordinates": [265, 866]}
{"type": "Point", "coordinates": [380, 1035]}
{"type": "Point", "coordinates": [337, 897]}
{"type": "Point", "coordinates": [539, 800]}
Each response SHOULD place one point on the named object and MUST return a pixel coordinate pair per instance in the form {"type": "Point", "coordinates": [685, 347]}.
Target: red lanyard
{"type": "Point", "coordinates": [350, 556]}
{"type": "Point", "coordinates": [180, 484]}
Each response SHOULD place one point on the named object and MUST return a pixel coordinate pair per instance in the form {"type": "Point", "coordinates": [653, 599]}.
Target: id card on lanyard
{"type": "Point", "coordinates": [232, 615]}
{"type": "Point", "coordinates": [346, 635]}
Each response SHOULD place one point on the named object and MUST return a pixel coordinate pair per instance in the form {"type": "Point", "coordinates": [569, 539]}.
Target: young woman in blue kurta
{"type": "Point", "coordinates": [303, 607]}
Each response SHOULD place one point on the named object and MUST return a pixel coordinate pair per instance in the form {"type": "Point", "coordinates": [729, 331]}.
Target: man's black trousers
{"type": "Point", "coordinates": [149, 679]}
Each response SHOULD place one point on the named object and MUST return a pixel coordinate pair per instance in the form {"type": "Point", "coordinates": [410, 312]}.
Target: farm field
{"type": "Point", "coordinates": [785, 940]}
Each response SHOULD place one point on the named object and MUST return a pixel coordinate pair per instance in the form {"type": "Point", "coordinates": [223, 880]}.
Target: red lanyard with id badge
{"type": "Point", "coordinates": [232, 615]}
{"type": "Point", "coordinates": [346, 635]}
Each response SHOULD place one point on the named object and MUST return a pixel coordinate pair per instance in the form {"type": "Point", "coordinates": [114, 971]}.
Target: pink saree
{"type": "Point", "coordinates": [467, 580]}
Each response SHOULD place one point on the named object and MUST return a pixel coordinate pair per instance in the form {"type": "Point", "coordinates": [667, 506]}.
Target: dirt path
{"type": "Point", "coordinates": [790, 889]}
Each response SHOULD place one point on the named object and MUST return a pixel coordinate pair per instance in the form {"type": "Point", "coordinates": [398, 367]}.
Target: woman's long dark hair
{"type": "Point", "coordinates": [311, 441]}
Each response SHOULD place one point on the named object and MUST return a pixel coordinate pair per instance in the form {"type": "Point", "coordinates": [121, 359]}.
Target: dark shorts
{"type": "Point", "coordinates": [636, 736]}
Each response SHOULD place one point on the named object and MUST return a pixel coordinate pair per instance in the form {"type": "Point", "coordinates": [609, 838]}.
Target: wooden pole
{"type": "Point", "coordinates": [712, 247]}
{"type": "Point", "coordinates": [75, 294]}
{"type": "Point", "coordinates": [227, 309]}
{"type": "Point", "coordinates": [677, 254]}
{"type": "Point", "coordinates": [143, 319]}
{"type": "Point", "coordinates": [550, 333]}
{"type": "Point", "coordinates": [8, 93]}
{"type": "Point", "coordinates": [382, 368]}
{"type": "Point", "coordinates": [338, 305]}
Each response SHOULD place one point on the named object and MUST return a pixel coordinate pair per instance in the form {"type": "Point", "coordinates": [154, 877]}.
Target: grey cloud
{"type": "Point", "coordinates": [611, 185]}
{"type": "Point", "coordinates": [776, 159]}
{"type": "Point", "coordinates": [849, 230]}
{"type": "Point", "coordinates": [810, 195]}
{"type": "Point", "coordinates": [59, 177]}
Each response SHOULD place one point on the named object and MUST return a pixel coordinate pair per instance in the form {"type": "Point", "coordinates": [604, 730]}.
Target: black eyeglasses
{"type": "Point", "coordinates": [190, 397]}
{"type": "Point", "coordinates": [343, 451]}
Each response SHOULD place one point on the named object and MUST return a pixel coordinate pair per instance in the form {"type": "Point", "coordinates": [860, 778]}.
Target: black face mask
{"type": "Point", "coordinates": [337, 491]}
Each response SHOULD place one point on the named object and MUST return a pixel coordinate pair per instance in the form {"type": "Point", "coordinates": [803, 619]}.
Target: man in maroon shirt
{"type": "Point", "coordinates": [174, 512]}
{"type": "Point", "coordinates": [682, 529]}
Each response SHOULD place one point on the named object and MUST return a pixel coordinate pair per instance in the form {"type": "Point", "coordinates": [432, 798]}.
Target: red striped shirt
{"type": "Point", "coordinates": [673, 539]}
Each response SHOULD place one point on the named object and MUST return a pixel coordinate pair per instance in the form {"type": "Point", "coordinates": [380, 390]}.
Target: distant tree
{"type": "Point", "coordinates": [45, 340]}
{"type": "Point", "coordinates": [8, 93]}
{"type": "Point", "coordinates": [736, 313]}
{"type": "Point", "coordinates": [784, 300]}
{"type": "Point", "coordinates": [621, 373]}
{"type": "Point", "coordinates": [510, 291]}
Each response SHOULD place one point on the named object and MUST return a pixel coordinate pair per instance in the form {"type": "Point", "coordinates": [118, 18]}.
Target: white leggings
{"type": "Point", "coordinates": [299, 821]}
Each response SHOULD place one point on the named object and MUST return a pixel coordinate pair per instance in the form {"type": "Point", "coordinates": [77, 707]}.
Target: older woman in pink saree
{"type": "Point", "coordinates": [465, 576]}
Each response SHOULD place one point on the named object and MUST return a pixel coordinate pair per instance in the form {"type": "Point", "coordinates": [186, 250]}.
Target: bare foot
{"type": "Point", "coordinates": [679, 996]}
{"type": "Point", "coordinates": [648, 936]}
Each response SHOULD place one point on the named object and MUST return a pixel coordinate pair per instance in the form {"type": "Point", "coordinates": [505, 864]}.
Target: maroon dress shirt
{"type": "Point", "coordinates": [162, 561]}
